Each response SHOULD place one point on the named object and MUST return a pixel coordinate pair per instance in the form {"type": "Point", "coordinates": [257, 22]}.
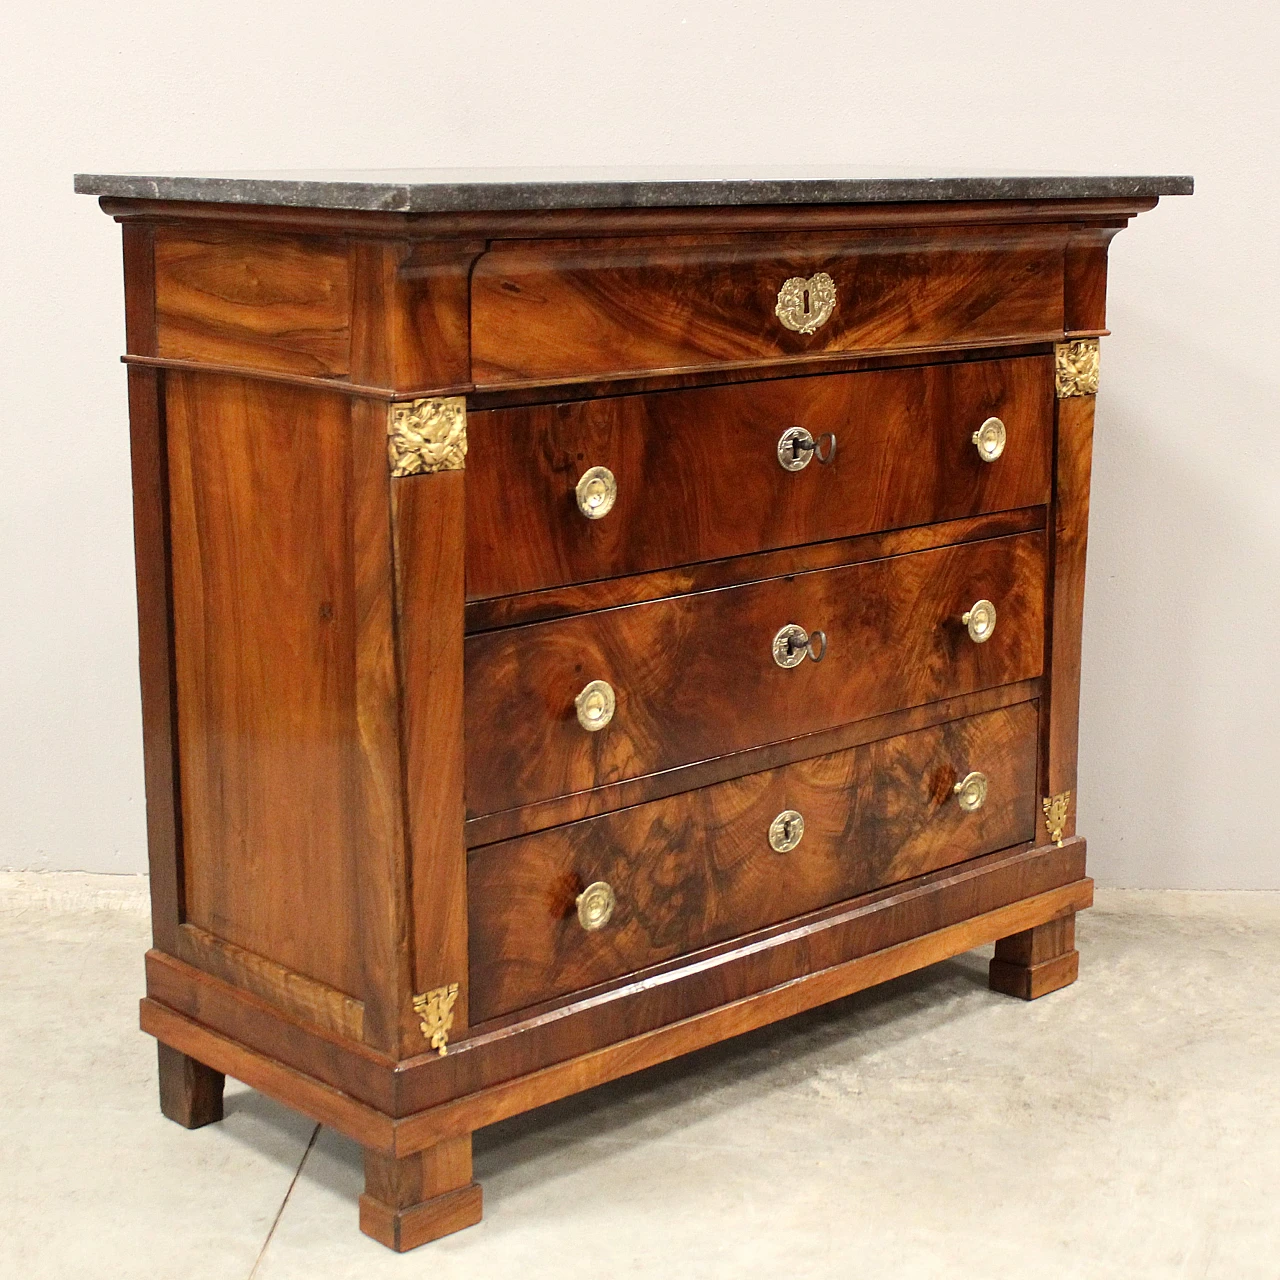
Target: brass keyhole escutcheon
{"type": "Point", "coordinates": [971, 792]}
{"type": "Point", "coordinates": [805, 305]}
{"type": "Point", "coordinates": [989, 439]}
{"type": "Point", "coordinates": [596, 492]}
{"type": "Point", "coordinates": [793, 644]}
{"type": "Point", "coordinates": [797, 447]}
{"type": "Point", "coordinates": [595, 905]}
{"type": "Point", "coordinates": [980, 619]}
{"type": "Point", "coordinates": [595, 705]}
{"type": "Point", "coordinates": [786, 831]}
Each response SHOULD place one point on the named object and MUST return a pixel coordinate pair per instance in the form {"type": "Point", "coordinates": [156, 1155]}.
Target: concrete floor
{"type": "Point", "coordinates": [1126, 1127]}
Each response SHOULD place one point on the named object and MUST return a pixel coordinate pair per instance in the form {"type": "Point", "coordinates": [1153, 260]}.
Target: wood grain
{"type": "Point", "coordinates": [556, 602]}
{"type": "Point", "coordinates": [364, 1085]}
{"type": "Point", "coordinates": [273, 302]}
{"type": "Point", "coordinates": [409, 1200]}
{"type": "Point", "coordinates": [583, 804]}
{"type": "Point", "coordinates": [429, 573]}
{"type": "Point", "coordinates": [697, 868]}
{"type": "Point", "coordinates": [542, 310]}
{"type": "Point", "coordinates": [265, 610]}
{"type": "Point", "coordinates": [699, 478]}
{"type": "Point", "coordinates": [1033, 962]}
{"type": "Point", "coordinates": [425, 1127]}
{"type": "Point", "coordinates": [304, 998]}
{"type": "Point", "coordinates": [150, 473]}
{"type": "Point", "coordinates": [190, 1092]}
{"type": "Point", "coordinates": [695, 678]}
{"type": "Point", "coordinates": [1068, 546]}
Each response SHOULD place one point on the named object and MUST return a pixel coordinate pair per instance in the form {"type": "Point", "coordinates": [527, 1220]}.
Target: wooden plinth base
{"type": "Point", "coordinates": [1036, 961]}
{"type": "Point", "coordinates": [413, 1199]}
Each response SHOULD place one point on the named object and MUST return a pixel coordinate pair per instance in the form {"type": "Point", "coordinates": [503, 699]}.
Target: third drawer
{"type": "Point", "coordinates": [665, 878]}
{"type": "Point", "coordinates": [695, 677]}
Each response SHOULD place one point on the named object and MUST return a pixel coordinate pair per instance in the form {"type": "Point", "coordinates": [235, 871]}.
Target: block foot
{"type": "Point", "coordinates": [414, 1199]}
{"type": "Point", "coordinates": [190, 1092]}
{"type": "Point", "coordinates": [1033, 963]}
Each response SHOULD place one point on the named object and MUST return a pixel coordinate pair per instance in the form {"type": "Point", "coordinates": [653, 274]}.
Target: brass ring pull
{"type": "Point", "coordinates": [595, 705]}
{"type": "Point", "coordinates": [971, 792]}
{"type": "Point", "coordinates": [596, 492]}
{"type": "Point", "coordinates": [981, 621]}
{"type": "Point", "coordinates": [989, 439]}
{"type": "Point", "coordinates": [796, 447]}
{"type": "Point", "coordinates": [786, 831]}
{"type": "Point", "coordinates": [595, 906]}
{"type": "Point", "coordinates": [793, 644]}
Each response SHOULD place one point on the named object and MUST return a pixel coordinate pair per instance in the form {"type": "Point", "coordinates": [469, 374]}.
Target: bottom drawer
{"type": "Point", "coordinates": [702, 867]}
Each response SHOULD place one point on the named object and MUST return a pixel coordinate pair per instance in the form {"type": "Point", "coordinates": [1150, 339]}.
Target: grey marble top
{"type": "Point", "coordinates": [482, 190]}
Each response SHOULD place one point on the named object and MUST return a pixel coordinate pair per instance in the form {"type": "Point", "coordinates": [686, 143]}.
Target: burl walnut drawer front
{"type": "Point", "coordinates": [694, 869]}
{"type": "Point", "coordinates": [562, 706]}
{"type": "Point", "coordinates": [700, 475]}
{"type": "Point", "coordinates": [573, 310]}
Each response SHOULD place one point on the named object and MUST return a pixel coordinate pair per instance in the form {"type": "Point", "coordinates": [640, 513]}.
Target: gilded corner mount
{"type": "Point", "coordinates": [1055, 814]}
{"type": "Point", "coordinates": [435, 1008]}
{"type": "Point", "coordinates": [1076, 367]}
{"type": "Point", "coordinates": [427, 435]}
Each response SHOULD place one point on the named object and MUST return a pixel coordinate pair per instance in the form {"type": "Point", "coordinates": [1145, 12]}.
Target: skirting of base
{"type": "Point", "coordinates": [404, 1229]}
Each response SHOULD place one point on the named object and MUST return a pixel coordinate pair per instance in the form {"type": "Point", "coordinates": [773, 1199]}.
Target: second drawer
{"type": "Point", "coordinates": [696, 474]}
{"type": "Point", "coordinates": [566, 908]}
{"type": "Point", "coordinates": [694, 677]}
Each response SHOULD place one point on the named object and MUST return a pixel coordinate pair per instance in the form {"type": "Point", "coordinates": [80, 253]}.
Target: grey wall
{"type": "Point", "coordinates": [1180, 680]}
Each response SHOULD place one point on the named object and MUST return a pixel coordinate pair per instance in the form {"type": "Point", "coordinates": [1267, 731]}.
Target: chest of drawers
{"type": "Point", "coordinates": [584, 621]}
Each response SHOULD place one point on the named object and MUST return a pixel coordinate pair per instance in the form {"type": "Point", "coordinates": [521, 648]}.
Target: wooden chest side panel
{"type": "Point", "coordinates": [273, 302]}
{"type": "Point", "coordinates": [699, 478]}
{"type": "Point", "coordinates": [694, 676]}
{"type": "Point", "coordinates": [697, 868]}
{"type": "Point", "coordinates": [579, 309]}
{"type": "Point", "coordinates": [265, 612]}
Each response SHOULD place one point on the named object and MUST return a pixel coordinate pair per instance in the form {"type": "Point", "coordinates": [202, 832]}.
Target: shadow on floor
{"type": "Point", "coordinates": [765, 1060]}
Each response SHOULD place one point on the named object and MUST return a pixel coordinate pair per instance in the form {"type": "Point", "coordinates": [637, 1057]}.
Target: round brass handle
{"type": "Point", "coordinates": [971, 792]}
{"type": "Point", "coordinates": [595, 906]}
{"type": "Point", "coordinates": [797, 447]}
{"type": "Point", "coordinates": [596, 492]}
{"type": "Point", "coordinates": [989, 439]}
{"type": "Point", "coordinates": [595, 705]}
{"type": "Point", "coordinates": [981, 621]}
{"type": "Point", "coordinates": [786, 831]}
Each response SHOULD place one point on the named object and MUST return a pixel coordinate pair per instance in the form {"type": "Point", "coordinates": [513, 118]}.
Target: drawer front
{"type": "Point", "coordinates": [699, 868]}
{"type": "Point", "coordinates": [694, 677]}
{"type": "Point", "coordinates": [574, 310]}
{"type": "Point", "coordinates": [698, 474]}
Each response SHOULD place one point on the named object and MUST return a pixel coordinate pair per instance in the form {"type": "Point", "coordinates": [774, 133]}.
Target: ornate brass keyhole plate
{"type": "Point", "coordinates": [805, 305]}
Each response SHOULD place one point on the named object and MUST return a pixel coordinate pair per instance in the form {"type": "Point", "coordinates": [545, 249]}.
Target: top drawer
{"type": "Point", "coordinates": [574, 310]}
{"type": "Point", "coordinates": [698, 475]}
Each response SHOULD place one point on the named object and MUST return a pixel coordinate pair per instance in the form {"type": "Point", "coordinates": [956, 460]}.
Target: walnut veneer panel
{"type": "Point", "coordinates": [268, 302]}
{"type": "Point", "coordinates": [694, 676]}
{"type": "Point", "coordinates": [264, 601]}
{"type": "Point", "coordinates": [699, 478]}
{"type": "Point", "coordinates": [698, 868]}
{"type": "Point", "coordinates": [543, 311]}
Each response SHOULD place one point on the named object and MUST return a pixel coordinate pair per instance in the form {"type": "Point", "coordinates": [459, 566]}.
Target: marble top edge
{"type": "Point", "coordinates": [503, 190]}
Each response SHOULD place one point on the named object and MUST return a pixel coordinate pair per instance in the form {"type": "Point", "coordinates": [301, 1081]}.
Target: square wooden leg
{"type": "Point", "coordinates": [1033, 963]}
{"type": "Point", "coordinates": [413, 1199]}
{"type": "Point", "coordinates": [190, 1092]}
